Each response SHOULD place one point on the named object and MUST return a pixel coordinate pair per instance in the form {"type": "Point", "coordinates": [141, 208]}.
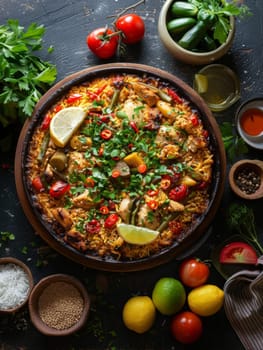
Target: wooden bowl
{"type": "Point", "coordinates": [257, 167]}
{"type": "Point", "coordinates": [37, 293]}
{"type": "Point", "coordinates": [187, 56]}
{"type": "Point", "coordinates": [20, 264]}
{"type": "Point", "coordinates": [112, 264]}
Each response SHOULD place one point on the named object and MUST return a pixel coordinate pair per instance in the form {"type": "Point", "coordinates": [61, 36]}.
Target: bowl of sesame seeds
{"type": "Point", "coordinates": [246, 178]}
{"type": "Point", "coordinates": [16, 283]}
{"type": "Point", "coordinates": [59, 305]}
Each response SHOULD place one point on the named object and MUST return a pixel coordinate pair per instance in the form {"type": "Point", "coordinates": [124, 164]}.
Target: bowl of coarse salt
{"type": "Point", "coordinates": [16, 283]}
{"type": "Point", "coordinates": [59, 305]}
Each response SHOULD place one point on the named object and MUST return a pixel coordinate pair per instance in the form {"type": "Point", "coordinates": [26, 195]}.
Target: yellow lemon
{"type": "Point", "coordinates": [168, 295]}
{"type": "Point", "coordinates": [65, 123]}
{"type": "Point", "coordinates": [139, 314]}
{"type": "Point", "coordinates": [201, 83]}
{"type": "Point", "coordinates": [136, 234]}
{"type": "Point", "coordinates": [206, 300]}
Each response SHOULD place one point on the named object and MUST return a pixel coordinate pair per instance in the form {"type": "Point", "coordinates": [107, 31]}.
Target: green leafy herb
{"type": "Point", "coordinates": [241, 218]}
{"type": "Point", "coordinates": [222, 10]}
{"type": "Point", "coordinates": [234, 145]}
{"type": "Point", "coordinates": [24, 77]}
{"type": "Point", "coordinates": [6, 236]}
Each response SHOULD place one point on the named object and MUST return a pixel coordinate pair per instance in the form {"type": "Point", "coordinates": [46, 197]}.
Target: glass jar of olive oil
{"type": "Point", "coordinates": [218, 85]}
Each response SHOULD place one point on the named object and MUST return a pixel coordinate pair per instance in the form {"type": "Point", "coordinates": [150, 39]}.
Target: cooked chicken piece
{"type": "Point", "coordinates": [146, 220]}
{"type": "Point", "coordinates": [125, 209]}
{"type": "Point", "coordinates": [83, 201]}
{"type": "Point", "coordinates": [175, 206]}
{"type": "Point", "coordinates": [145, 93]}
{"type": "Point", "coordinates": [194, 143]}
{"type": "Point", "coordinates": [169, 152]}
{"type": "Point", "coordinates": [75, 239]}
{"type": "Point", "coordinates": [62, 216]}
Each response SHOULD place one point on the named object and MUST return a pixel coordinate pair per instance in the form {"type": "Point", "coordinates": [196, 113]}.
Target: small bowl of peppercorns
{"type": "Point", "coordinates": [246, 178]}
{"type": "Point", "coordinates": [59, 305]}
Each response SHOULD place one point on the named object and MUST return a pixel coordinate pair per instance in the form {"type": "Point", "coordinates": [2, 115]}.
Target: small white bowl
{"type": "Point", "coordinates": [187, 56]}
{"type": "Point", "coordinates": [253, 141]}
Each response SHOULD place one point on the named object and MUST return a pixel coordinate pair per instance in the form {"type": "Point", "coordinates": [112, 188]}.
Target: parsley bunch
{"type": "Point", "coordinates": [24, 77]}
{"type": "Point", "coordinates": [221, 10]}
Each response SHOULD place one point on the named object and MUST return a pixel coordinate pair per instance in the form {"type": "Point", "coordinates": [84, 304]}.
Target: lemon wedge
{"type": "Point", "coordinates": [65, 123]}
{"type": "Point", "coordinates": [136, 234]}
{"type": "Point", "coordinates": [201, 83]}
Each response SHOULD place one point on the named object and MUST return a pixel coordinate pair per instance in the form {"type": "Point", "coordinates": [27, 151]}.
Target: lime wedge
{"type": "Point", "coordinates": [136, 234]}
{"type": "Point", "coordinates": [201, 83]}
{"type": "Point", "coordinates": [65, 123]}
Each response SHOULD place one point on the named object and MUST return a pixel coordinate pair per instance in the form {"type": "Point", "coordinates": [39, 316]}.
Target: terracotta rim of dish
{"type": "Point", "coordinates": [218, 178]}
{"type": "Point", "coordinates": [11, 260]}
{"type": "Point", "coordinates": [33, 304]}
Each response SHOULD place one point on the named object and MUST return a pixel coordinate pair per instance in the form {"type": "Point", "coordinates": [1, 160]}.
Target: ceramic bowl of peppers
{"type": "Point", "coordinates": [191, 32]}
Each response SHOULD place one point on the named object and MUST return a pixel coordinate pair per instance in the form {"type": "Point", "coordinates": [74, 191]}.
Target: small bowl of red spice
{"type": "Point", "coordinates": [246, 178]}
{"type": "Point", "coordinates": [59, 305]}
{"type": "Point", "coordinates": [249, 122]}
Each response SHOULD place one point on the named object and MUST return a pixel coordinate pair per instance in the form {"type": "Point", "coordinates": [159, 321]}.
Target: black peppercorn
{"type": "Point", "coordinates": [247, 179]}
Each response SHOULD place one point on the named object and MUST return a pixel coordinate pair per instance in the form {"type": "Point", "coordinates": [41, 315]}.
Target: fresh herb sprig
{"type": "Point", "coordinates": [222, 10]}
{"type": "Point", "coordinates": [241, 218]}
{"type": "Point", "coordinates": [234, 145]}
{"type": "Point", "coordinates": [24, 77]}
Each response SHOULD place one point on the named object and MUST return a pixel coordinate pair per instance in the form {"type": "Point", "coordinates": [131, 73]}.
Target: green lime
{"type": "Point", "coordinates": [168, 295]}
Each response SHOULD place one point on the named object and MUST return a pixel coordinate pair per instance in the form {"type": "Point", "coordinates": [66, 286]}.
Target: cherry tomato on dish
{"type": "Point", "coordinates": [193, 272]}
{"type": "Point", "coordinates": [178, 193]}
{"type": "Point", "coordinates": [111, 220]}
{"type": "Point", "coordinates": [37, 184]}
{"type": "Point", "coordinates": [93, 226]}
{"type": "Point", "coordinates": [103, 42]}
{"type": "Point", "coordinates": [58, 189]}
{"type": "Point", "coordinates": [186, 327]}
{"type": "Point", "coordinates": [132, 26]}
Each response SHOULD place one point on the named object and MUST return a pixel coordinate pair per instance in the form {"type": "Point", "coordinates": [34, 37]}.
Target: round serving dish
{"type": "Point", "coordinates": [187, 56]}
{"type": "Point", "coordinates": [252, 105]}
{"type": "Point", "coordinates": [10, 265]}
{"type": "Point", "coordinates": [59, 291]}
{"type": "Point", "coordinates": [165, 255]}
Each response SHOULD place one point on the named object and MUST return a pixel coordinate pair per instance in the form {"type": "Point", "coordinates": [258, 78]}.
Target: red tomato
{"type": "Point", "coordinates": [186, 327]}
{"type": "Point", "coordinates": [92, 226]}
{"type": "Point", "coordinates": [46, 122]}
{"type": "Point", "coordinates": [193, 272]}
{"type": "Point", "coordinates": [37, 184]}
{"type": "Point", "coordinates": [59, 188]}
{"type": "Point", "coordinates": [239, 253]}
{"type": "Point", "coordinates": [132, 26]}
{"type": "Point", "coordinates": [103, 42]}
{"type": "Point", "coordinates": [178, 193]}
{"type": "Point", "coordinates": [111, 220]}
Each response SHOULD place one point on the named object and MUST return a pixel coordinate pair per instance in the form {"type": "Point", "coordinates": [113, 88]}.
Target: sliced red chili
{"type": "Point", "coordinates": [153, 204]}
{"type": "Point", "coordinates": [178, 193]}
{"type": "Point", "coordinates": [73, 98]}
{"type": "Point", "coordinates": [115, 173]}
{"type": "Point", "coordinates": [101, 151]}
{"type": "Point", "coordinates": [174, 96]}
{"type": "Point", "coordinates": [134, 126]}
{"type": "Point", "coordinates": [89, 182]}
{"type": "Point", "coordinates": [93, 226]}
{"type": "Point", "coordinates": [46, 122]}
{"type": "Point", "coordinates": [59, 188]}
{"type": "Point", "coordinates": [100, 89]}
{"type": "Point", "coordinates": [166, 182]}
{"type": "Point", "coordinates": [104, 210]}
{"type": "Point", "coordinates": [37, 184]}
{"type": "Point", "coordinates": [57, 108]}
{"type": "Point", "coordinates": [111, 220]}
{"type": "Point", "coordinates": [152, 193]}
{"type": "Point", "coordinates": [106, 134]}
{"type": "Point", "coordinates": [92, 95]}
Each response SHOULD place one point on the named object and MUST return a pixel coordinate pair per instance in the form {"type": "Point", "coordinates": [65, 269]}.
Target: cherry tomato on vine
{"type": "Point", "coordinates": [186, 327]}
{"type": "Point", "coordinates": [103, 42]}
{"type": "Point", "coordinates": [132, 26]}
{"type": "Point", "coordinates": [193, 272]}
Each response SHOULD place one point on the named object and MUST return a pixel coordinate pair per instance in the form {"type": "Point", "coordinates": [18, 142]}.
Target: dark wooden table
{"type": "Point", "coordinates": [67, 23]}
